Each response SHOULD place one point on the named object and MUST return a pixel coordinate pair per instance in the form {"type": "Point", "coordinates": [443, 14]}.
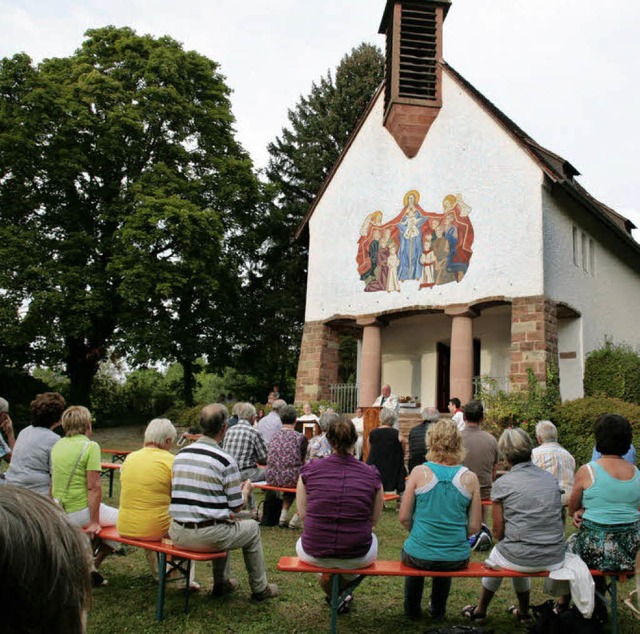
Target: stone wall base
{"type": "Point", "coordinates": [318, 363]}
{"type": "Point", "coordinates": [534, 338]}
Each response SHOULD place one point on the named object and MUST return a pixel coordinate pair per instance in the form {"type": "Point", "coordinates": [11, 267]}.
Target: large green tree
{"type": "Point", "coordinates": [300, 160]}
{"type": "Point", "coordinates": [123, 197]}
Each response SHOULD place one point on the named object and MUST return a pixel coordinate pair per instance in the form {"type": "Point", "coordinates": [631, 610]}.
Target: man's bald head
{"type": "Point", "coordinates": [213, 418]}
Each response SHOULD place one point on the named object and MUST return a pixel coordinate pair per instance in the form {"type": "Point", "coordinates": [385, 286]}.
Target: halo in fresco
{"type": "Point", "coordinates": [433, 248]}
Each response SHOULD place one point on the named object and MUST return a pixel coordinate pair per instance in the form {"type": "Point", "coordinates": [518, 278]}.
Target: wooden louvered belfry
{"type": "Point", "coordinates": [413, 77]}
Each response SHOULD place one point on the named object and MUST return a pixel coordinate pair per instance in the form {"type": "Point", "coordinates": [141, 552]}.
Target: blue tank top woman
{"type": "Point", "coordinates": [438, 538]}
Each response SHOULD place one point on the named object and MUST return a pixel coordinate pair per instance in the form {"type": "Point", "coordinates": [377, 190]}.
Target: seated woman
{"type": "Point", "coordinates": [527, 519]}
{"type": "Point", "coordinates": [287, 451]}
{"type": "Point", "coordinates": [340, 500]}
{"type": "Point", "coordinates": [319, 446]}
{"type": "Point", "coordinates": [145, 485]}
{"type": "Point", "coordinates": [604, 504]}
{"type": "Point", "coordinates": [145, 490]}
{"type": "Point", "coordinates": [30, 463]}
{"type": "Point", "coordinates": [45, 584]}
{"type": "Point", "coordinates": [75, 481]}
{"type": "Point", "coordinates": [387, 450]}
{"type": "Point", "coordinates": [441, 507]}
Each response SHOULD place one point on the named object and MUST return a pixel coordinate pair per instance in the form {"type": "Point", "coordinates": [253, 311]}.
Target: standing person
{"type": "Point", "coordinates": [75, 481]}
{"type": "Point", "coordinates": [287, 452]}
{"type": "Point", "coordinates": [387, 399]}
{"type": "Point", "coordinates": [457, 415]}
{"type": "Point", "coordinates": [418, 437]}
{"type": "Point", "coordinates": [307, 415]}
{"type": "Point", "coordinates": [31, 458]}
{"type": "Point", "coordinates": [387, 451]}
{"type": "Point", "coordinates": [604, 504]}
{"type": "Point", "coordinates": [358, 423]}
{"type": "Point", "coordinates": [6, 427]}
{"type": "Point", "coordinates": [352, 490]}
{"type": "Point", "coordinates": [481, 448]}
{"type": "Point", "coordinates": [273, 395]}
{"type": "Point", "coordinates": [268, 425]}
{"type": "Point", "coordinates": [527, 519]}
{"type": "Point", "coordinates": [206, 492]}
{"type": "Point", "coordinates": [441, 507]}
{"type": "Point", "coordinates": [554, 458]}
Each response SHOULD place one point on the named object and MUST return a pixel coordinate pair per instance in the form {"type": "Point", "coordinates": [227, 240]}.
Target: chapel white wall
{"type": "Point", "coordinates": [465, 152]}
{"type": "Point", "coordinates": [608, 300]}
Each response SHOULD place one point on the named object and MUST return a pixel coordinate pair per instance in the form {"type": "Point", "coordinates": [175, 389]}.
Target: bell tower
{"type": "Point", "coordinates": [413, 74]}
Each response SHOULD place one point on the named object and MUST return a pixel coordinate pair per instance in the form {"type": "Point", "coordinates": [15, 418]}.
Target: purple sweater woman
{"type": "Point", "coordinates": [340, 500]}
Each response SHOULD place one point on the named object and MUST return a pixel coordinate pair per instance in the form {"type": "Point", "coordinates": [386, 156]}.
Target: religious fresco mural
{"type": "Point", "coordinates": [431, 247]}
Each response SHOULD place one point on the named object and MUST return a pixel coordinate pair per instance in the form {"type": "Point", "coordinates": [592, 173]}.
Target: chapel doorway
{"type": "Point", "coordinates": [443, 372]}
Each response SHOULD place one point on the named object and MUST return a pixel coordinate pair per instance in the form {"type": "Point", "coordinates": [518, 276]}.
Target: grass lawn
{"type": "Point", "coordinates": [127, 603]}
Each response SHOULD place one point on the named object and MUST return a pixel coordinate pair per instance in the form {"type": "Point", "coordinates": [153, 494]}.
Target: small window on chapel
{"type": "Point", "coordinates": [583, 251]}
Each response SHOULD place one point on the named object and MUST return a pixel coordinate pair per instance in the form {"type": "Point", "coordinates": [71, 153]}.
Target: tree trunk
{"type": "Point", "coordinates": [82, 364]}
{"type": "Point", "coordinates": [188, 382]}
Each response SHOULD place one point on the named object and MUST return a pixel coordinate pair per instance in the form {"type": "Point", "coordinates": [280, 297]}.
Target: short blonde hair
{"type": "Point", "coordinates": [444, 442]}
{"type": "Point", "coordinates": [76, 420]}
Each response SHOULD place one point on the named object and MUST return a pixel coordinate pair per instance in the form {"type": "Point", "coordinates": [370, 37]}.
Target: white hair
{"type": "Point", "coordinates": [159, 430]}
{"type": "Point", "coordinates": [546, 431]}
{"type": "Point", "coordinates": [245, 411]}
{"type": "Point", "coordinates": [4, 405]}
{"type": "Point", "coordinates": [388, 417]}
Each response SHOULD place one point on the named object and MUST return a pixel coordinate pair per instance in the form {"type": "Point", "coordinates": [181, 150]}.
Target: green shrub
{"type": "Point", "coordinates": [614, 371]}
{"type": "Point", "coordinates": [184, 417]}
{"type": "Point", "coordinates": [520, 407]}
{"type": "Point", "coordinates": [315, 406]}
{"type": "Point", "coordinates": [575, 419]}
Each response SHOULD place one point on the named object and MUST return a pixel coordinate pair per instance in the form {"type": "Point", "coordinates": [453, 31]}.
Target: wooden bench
{"type": "Point", "coordinates": [398, 569]}
{"type": "Point", "coordinates": [110, 468]}
{"type": "Point", "coordinates": [117, 455]}
{"type": "Point", "coordinates": [180, 561]}
{"type": "Point", "coordinates": [388, 497]}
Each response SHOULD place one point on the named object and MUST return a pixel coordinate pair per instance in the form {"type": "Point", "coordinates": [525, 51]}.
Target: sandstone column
{"type": "Point", "coordinates": [370, 366]}
{"type": "Point", "coordinates": [461, 370]}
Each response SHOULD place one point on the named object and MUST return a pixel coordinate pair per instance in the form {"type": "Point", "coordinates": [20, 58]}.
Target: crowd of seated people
{"type": "Point", "coordinates": [339, 498]}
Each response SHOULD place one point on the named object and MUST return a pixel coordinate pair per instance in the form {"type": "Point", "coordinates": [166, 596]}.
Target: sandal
{"type": "Point", "coordinates": [469, 611]}
{"type": "Point", "coordinates": [522, 618]}
{"type": "Point", "coordinates": [559, 608]}
{"type": "Point", "coordinates": [345, 604]}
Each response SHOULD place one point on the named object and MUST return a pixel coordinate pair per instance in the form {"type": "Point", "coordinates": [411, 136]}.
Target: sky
{"type": "Point", "coordinates": [566, 71]}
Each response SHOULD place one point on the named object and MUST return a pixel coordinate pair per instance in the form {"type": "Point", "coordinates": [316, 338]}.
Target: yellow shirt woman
{"type": "Point", "coordinates": [145, 480]}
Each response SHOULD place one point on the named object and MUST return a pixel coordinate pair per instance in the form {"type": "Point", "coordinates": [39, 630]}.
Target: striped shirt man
{"type": "Point", "coordinates": [206, 483]}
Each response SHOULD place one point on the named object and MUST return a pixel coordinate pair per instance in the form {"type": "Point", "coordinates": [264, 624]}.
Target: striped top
{"type": "Point", "coordinates": [205, 484]}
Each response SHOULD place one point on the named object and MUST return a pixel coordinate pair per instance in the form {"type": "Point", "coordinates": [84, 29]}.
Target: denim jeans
{"type": "Point", "coordinates": [440, 586]}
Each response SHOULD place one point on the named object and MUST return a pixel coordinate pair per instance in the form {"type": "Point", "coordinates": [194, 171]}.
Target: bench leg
{"type": "Point", "coordinates": [613, 591]}
{"type": "Point", "coordinates": [611, 587]}
{"type": "Point", "coordinates": [187, 577]}
{"type": "Point", "coordinates": [335, 599]}
{"type": "Point", "coordinates": [162, 579]}
{"type": "Point", "coordinates": [111, 482]}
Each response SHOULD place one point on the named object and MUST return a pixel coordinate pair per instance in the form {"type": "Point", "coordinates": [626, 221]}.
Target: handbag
{"type": "Point", "coordinates": [59, 501]}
